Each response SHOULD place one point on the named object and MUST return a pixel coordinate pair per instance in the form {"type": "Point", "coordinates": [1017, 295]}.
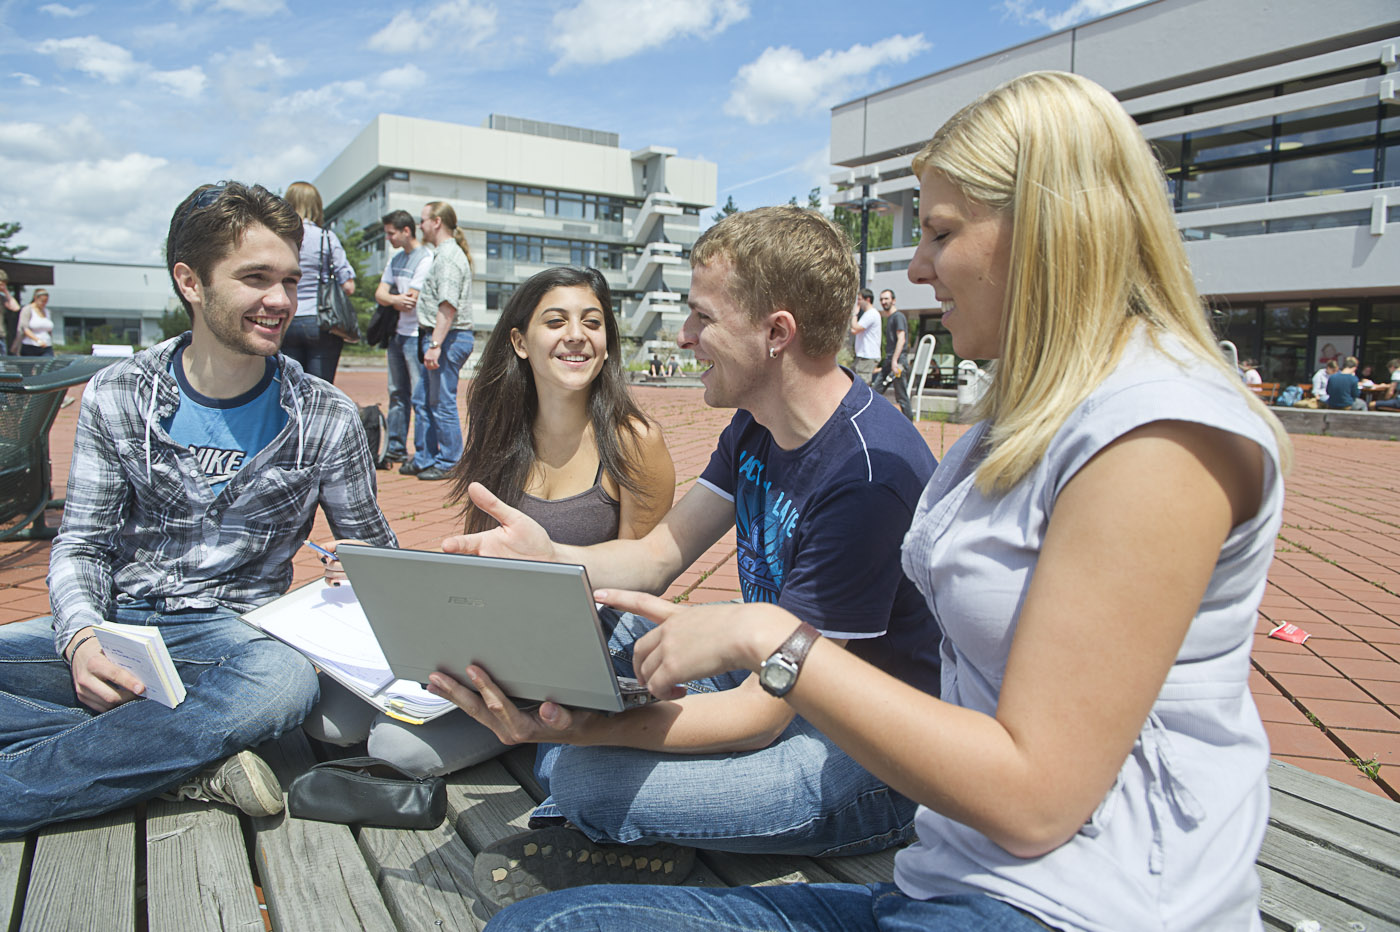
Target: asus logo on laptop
{"type": "Point", "coordinates": [464, 600]}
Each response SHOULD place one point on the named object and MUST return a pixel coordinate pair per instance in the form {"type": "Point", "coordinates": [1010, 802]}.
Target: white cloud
{"type": "Point", "coordinates": [454, 26]}
{"type": "Point", "coordinates": [28, 80]}
{"type": "Point", "coordinates": [60, 11]}
{"type": "Point", "coordinates": [1076, 12]}
{"type": "Point", "coordinates": [599, 31]}
{"type": "Point", "coordinates": [406, 78]}
{"type": "Point", "coordinates": [324, 100]}
{"type": "Point", "coordinates": [252, 7]}
{"type": "Point", "coordinates": [783, 82]}
{"type": "Point", "coordinates": [51, 141]}
{"type": "Point", "coordinates": [114, 64]}
{"type": "Point", "coordinates": [188, 82]}
{"type": "Point", "coordinates": [93, 56]}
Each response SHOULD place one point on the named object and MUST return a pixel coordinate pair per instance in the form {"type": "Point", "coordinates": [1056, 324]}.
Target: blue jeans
{"type": "Point", "coordinates": [60, 760]}
{"type": "Point", "coordinates": [827, 907]}
{"type": "Point", "coordinates": [317, 351]}
{"type": "Point", "coordinates": [435, 404]}
{"type": "Point", "coordinates": [799, 795]}
{"type": "Point", "coordinates": [405, 373]}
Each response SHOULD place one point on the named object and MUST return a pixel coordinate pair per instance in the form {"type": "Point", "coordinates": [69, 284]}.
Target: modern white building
{"type": "Point", "coordinates": [127, 300]}
{"type": "Point", "coordinates": [532, 195]}
{"type": "Point", "coordinates": [1278, 124]}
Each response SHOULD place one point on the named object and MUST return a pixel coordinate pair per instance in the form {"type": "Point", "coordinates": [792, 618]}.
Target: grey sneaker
{"type": "Point", "coordinates": [243, 781]}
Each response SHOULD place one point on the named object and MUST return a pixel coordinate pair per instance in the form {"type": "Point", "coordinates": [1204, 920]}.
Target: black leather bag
{"type": "Point", "coordinates": [382, 326]}
{"type": "Point", "coordinates": [368, 791]}
{"type": "Point", "coordinates": [334, 312]}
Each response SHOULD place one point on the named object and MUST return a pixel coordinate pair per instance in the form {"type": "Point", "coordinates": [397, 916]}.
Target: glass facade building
{"type": "Point", "coordinates": [1279, 135]}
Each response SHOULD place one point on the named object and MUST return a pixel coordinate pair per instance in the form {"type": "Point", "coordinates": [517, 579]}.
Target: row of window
{"type": "Point", "coordinates": [1351, 145]}
{"type": "Point", "coordinates": [548, 250]}
{"type": "Point", "coordinates": [1292, 339]}
{"type": "Point", "coordinates": [498, 295]}
{"type": "Point", "coordinates": [570, 205]}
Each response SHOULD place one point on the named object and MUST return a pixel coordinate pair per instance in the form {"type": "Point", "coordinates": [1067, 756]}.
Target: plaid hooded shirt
{"type": "Point", "coordinates": [141, 521]}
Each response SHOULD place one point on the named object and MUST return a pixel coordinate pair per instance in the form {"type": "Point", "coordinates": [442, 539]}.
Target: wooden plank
{"type": "Point", "coordinates": [1342, 877]}
{"type": "Point", "coordinates": [84, 876]}
{"type": "Point", "coordinates": [1335, 795]}
{"type": "Point", "coordinates": [313, 873]}
{"type": "Point", "coordinates": [863, 868]}
{"type": "Point", "coordinates": [197, 872]}
{"type": "Point", "coordinates": [1284, 902]}
{"type": "Point", "coordinates": [486, 804]}
{"type": "Point", "coordinates": [764, 870]}
{"type": "Point", "coordinates": [1361, 840]}
{"type": "Point", "coordinates": [14, 868]}
{"type": "Point", "coordinates": [425, 876]}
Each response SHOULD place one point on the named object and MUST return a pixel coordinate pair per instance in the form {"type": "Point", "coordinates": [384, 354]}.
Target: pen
{"type": "Point", "coordinates": [321, 550]}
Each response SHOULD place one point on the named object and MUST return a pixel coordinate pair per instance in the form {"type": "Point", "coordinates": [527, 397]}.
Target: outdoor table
{"type": "Point", "coordinates": [31, 392]}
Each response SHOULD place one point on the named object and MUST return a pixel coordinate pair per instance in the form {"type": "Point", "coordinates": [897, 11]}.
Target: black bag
{"type": "Point", "coordinates": [368, 791]}
{"type": "Point", "coordinates": [334, 312]}
{"type": "Point", "coordinates": [382, 326]}
{"type": "Point", "coordinates": [376, 432]}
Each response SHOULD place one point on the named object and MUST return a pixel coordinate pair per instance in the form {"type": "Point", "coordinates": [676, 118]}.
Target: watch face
{"type": "Point", "coordinates": [777, 677]}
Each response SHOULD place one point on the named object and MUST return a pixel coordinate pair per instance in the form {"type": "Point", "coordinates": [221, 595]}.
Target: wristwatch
{"type": "Point", "coordinates": [433, 344]}
{"type": "Point", "coordinates": [779, 672]}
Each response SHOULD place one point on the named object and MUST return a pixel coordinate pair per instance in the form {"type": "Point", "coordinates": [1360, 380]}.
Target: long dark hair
{"type": "Point", "coordinates": [502, 403]}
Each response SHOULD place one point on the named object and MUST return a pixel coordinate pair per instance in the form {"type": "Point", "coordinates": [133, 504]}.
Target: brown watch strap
{"type": "Point", "coordinates": [797, 645]}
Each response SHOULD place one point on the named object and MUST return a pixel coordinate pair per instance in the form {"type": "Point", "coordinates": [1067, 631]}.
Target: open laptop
{"type": "Point", "coordinates": [533, 627]}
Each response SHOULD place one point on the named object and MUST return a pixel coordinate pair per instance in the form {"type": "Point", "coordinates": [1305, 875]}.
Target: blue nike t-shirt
{"type": "Point", "coordinates": [225, 433]}
{"type": "Point", "coordinates": [819, 528]}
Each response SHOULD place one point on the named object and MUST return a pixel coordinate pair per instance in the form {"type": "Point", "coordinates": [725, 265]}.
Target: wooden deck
{"type": "Point", "coordinates": [1332, 854]}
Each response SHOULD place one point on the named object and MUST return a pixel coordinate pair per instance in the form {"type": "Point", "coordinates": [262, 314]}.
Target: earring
{"type": "Point", "coordinates": [772, 353]}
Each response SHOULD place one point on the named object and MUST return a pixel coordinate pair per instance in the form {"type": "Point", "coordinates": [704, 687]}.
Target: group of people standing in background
{"type": "Point", "coordinates": [28, 328]}
{"type": "Point", "coordinates": [882, 363]}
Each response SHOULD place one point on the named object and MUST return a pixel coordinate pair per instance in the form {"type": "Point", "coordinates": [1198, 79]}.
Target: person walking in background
{"type": "Point", "coordinates": [896, 358]}
{"type": "Point", "coordinates": [35, 337]}
{"type": "Point", "coordinates": [1344, 388]}
{"type": "Point", "coordinates": [317, 351]}
{"type": "Point", "coordinates": [866, 329]}
{"type": "Point", "coordinates": [9, 306]}
{"type": "Point", "coordinates": [444, 342]}
{"type": "Point", "coordinates": [1319, 380]}
{"type": "Point", "coordinates": [398, 288]}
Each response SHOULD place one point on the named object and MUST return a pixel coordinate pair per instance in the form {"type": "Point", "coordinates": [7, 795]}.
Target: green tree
{"type": "Point", "coordinates": [8, 230]}
{"type": "Point", "coordinates": [729, 208]}
{"type": "Point", "coordinates": [352, 238]}
{"type": "Point", "coordinates": [881, 227]}
{"type": "Point", "coordinates": [173, 323]}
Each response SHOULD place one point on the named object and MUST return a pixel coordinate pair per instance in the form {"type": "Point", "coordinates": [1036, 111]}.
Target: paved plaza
{"type": "Point", "coordinates": [1328, 704]}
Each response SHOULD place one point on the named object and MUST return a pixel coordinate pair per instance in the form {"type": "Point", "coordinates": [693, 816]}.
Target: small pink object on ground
{"type": "Point", "coordinates": [1289, 632]}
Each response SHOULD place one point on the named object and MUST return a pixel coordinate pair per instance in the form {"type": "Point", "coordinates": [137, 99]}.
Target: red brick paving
{"type": "Point", "coordinates": [1336, 574]}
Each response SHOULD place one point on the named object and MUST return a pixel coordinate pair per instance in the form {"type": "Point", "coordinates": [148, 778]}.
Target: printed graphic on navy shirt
{"type": "Point", "coordinates": [223, 434]}
{"type": "Point", "coordinates": [764, 521]}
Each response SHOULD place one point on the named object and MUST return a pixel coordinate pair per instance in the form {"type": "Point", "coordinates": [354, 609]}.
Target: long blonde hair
{"type": "Point", "coordinates": [306, 201]}
{"type": "Point", "coordinates": [443, 211]}
{"type": "Point", "coordinates": [1094, 251]}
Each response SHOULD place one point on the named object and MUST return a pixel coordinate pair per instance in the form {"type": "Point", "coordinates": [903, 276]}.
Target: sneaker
{"type": "Point", "coordinates": [243, 781]}
{"type": "Point", "coordinates": [408, 469]}
{"type": "Point", "coordinates": [521, 866]}
{"type": "Point", "coordinates": [432, 474]}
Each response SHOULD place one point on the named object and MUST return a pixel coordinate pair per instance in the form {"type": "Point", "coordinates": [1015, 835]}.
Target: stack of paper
{"type": "Point", "coordinates": [327, 625]}
{"type": "Point", "coordinates": [141, 650]}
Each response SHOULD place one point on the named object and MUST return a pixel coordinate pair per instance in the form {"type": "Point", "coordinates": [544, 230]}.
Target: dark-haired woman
{"type": "Point", "coordinates": [551, 425]}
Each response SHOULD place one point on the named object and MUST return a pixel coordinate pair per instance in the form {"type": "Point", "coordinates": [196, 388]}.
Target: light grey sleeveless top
{"type": "Point", "coordinates": [1172, 845]}
{"type": "Point", "coordinates": [590, 517]}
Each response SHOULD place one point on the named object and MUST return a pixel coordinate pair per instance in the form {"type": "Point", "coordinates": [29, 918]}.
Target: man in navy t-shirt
{"type": "Point", "coordinates": [1344, 388]}
{"type": "Point", "coordinates": [820, 480]}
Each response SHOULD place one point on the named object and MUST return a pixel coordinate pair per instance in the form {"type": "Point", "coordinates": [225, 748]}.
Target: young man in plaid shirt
{"type": "Point", "coordinates": [197, 468]}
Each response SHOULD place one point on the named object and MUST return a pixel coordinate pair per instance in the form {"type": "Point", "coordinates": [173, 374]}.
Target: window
{"type": "Point", "coordinates": [543, 250]}
{"type": "Point", "coordinates": [570, 205]}
{"type": "Point", "coordinates": [498, 295]}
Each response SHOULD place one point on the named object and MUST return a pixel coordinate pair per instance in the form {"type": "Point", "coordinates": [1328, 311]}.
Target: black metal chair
{"type": "Point", "coordinates": [31, 393]}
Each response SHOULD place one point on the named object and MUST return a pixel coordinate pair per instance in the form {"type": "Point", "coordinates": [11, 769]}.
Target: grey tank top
{"type": "Point", "coordinates": [590, 517]}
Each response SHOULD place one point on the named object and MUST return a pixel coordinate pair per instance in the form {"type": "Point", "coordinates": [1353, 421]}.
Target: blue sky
{"type": "Point", "coordinates": [111, 112]}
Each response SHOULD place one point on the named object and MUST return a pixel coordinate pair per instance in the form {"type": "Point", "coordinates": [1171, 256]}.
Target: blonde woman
{"type": "Point", "coordinates": [1094, 548]}
{"type": "Point", "coordinates": [36, 327]}
{"type": "Point", "coordinates": [317, 351]}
